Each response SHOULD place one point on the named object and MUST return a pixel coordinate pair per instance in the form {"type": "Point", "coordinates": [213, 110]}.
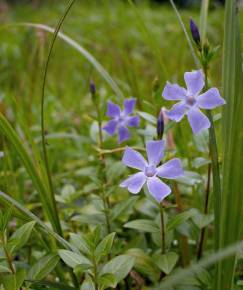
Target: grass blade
{"type": "Point", "coordinates": [7, 130]}
{"type": "Point", "coordinates": [233, 144]}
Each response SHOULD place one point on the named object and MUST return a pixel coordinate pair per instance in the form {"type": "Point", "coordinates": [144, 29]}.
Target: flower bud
{"type": "Point", "coordinates": [195, 32]}
{"type": "Point", "coordinates": [160, 125]}
{"type": "Point", "coordinates": [92, 87]}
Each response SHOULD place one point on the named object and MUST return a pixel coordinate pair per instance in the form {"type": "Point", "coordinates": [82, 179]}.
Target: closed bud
{"type": "Point", "coordinates": [160, 125]}
{"type": "Point", "coordinates": [92, 87]}
{"type": "Point", "coordinates": [195, 32]}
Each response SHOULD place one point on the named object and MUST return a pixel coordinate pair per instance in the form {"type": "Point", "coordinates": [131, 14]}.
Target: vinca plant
{"type": "Point", "coordinates": [142, 188]}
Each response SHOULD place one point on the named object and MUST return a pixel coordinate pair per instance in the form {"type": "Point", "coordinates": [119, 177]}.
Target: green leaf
{"type": "Point", "coordinates": [166, 262]}
{"type": "Point", "coordinates": [38, 285]}
{"type": "Point", "coordinates": [80, 269]}
{"type": "Point", "coordinates": [107, 280]}
{"type": "Point", "coordinates": [20, 277]}
{"type": "Point", "coordinates": [143, 225]}
{"type": "Point", "coordinates": [199, 162]}
{"type": "Point", "coordinates": [82, 243]}
{"type": "Point", "coordinates": [122, 208]}
{"type": "Point", "coordinates": [4, 269]}
{"type": "Point", "coordinates": [104, 247]}
{"type": "Point", "coordinates": [144, 264]}
{"type": "Point", "coordinates": [202, 220]}
{"type": "Point", "coordinates": [13, 281]}
{"type": "Point", "coordinates": [120, 266]}
{"type": "Point", "coordinates": [20, 237]}
{"type": "Point", "coordinates": [73, 259]}
{"type": "Point", "coordinates": [43, 267]}
{"type": "Point", "coordinates": [5, 218]}
{"type": "Point", "coordinates": [148, 117]}
{"type": "Point", "coordinates": [179, 219]}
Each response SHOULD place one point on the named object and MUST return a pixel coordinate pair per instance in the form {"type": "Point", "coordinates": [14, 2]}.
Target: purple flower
{"type": "Point", "coordinates": [149, 172]}
{"type": "Point", "coordinates": [191, 101]}
{"type": "Point", "coordinates": [120, 120]}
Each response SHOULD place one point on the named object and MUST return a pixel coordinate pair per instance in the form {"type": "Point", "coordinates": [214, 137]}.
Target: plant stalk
{"type": "Point", "coordinates": [162, 228]}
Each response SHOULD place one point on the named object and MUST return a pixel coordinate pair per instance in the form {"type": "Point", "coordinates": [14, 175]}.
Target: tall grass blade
{"type": "Point", "coordinates": [196, 61]}
{"type": "Point", "coordinates": [232, 182]}
{"type": "Point", "coordinates": [7, 130]}
{"type": "Point", "coordinates": [203, 19]}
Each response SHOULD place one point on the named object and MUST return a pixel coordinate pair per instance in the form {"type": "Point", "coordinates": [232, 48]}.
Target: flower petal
{"type": "Point", "coordinates": [171, 169]}
{"type": "Point", "coordinates": [177, 112]}
{"type": "Point", "coordinates": [210, 99]}
{"type": "Point", "coordinates": [155, 151]}
{"type": "Point", "coordinates": [133, 121]}
{"type": "Point", "coordinates": [134, 183]}
{"type": "Point", "coordinates": [134, 159]}
{"type": "Point", "coordinates": [129, 105]}
{"type": "Point", "coordinates": [197, 120]}
{"type": "Point", "coordinates": [157, 188]}
{"type": "Point", "coordinates": [113, 110]}
{"type": "Point", "coordinates": [110, 127]}
{"type": "Point", "coordinates": [194, 81]}
{"type": "Point", "coordinates": [173, 92]}
{"type": "Point", "coordinates": [123, 134]}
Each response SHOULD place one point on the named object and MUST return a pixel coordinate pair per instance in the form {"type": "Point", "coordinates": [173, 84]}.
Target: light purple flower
{"type": "Point", "coordinates": [150, 171]}
{"type": "Point", "coordinates": [191, 101]}
{"type": "Point", "coordinates": [120, 120]}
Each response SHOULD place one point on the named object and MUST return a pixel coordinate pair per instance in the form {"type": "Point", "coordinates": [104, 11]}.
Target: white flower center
{"type": "Point", "coordinates": [150, 170]}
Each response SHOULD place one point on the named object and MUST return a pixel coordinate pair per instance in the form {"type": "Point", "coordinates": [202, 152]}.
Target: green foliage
{"type": "Point", "coordinates": [112, 239]}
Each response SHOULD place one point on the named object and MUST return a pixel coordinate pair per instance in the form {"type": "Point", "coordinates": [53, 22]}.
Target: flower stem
{"type": "Point", "coordinates": [183, 241]}
{"type": "Point", "coordinates": [203, 230]}
{"type": "Point", "coordinates": [162, 228]}
{"type": "Point", "coordinates": [106, 202]}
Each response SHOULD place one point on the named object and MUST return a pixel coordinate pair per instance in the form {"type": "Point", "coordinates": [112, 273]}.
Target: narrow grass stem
{"type": "Point", "coordinates": [162, 228]}
{"type": "Point", "coordinates": [9, 259]}
{"type": "Point", "coordinates": [106, 202]}
{"type": "Point", "coordinates": [203, 230]}
{"type": "Point", "coordinates": [43, 131]}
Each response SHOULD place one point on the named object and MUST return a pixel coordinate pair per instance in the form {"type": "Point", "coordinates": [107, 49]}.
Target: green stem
{"type": "Point", "coordinates": [106, 202]}
{"type": "Point", "coordinates": [162, 229]}
{"type": "Point", "coordinates": [7, 254]}
{"type": "Point", "coordinates": [43, 133]}
{"type": "Point", "coordinates": [203, 230]}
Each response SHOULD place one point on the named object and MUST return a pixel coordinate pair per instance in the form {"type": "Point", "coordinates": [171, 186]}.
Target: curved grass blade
{"type": "Point", "coordinates": [31, 216]}
{"type": "Point", "coordinates": [43, 138]}
{"type": "Point", "coordinates": [84, 52]}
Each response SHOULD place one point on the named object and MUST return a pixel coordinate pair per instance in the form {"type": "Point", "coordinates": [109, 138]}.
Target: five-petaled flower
{"type": "Point", "coordinates": [150, 171]}
{"type": "Point", "coordinates": [191, 101]}
{"type": "Point", "coordinates": [120, 120]}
